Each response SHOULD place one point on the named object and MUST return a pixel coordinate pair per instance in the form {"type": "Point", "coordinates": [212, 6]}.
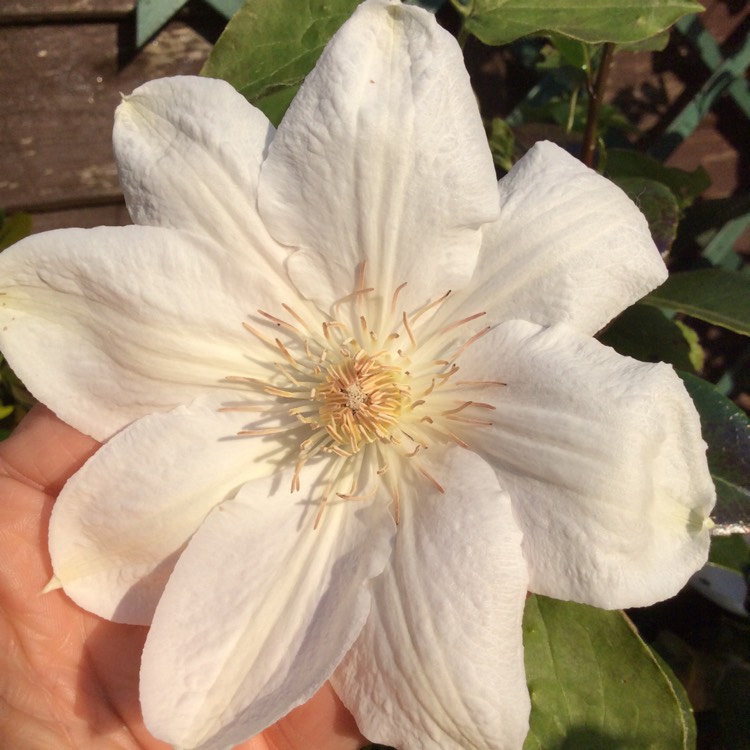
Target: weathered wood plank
{"type": "Point", "coordinates": [59, 88]}
{"type": "Point", "coordinates": [34, 11]}
{"type": "Point", "coordinates": [92, 216]}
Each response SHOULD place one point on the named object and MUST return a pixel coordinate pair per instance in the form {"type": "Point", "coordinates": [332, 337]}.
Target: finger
{"type": "Point", "coordinates": [44, 451]}
{"type": "Point", "coordinates": [42, 454]}
{"type": "Point", "coordinates": [322, 722]}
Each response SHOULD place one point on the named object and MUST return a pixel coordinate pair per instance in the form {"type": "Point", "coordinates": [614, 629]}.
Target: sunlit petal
{"type": "Point", "coordinates": [189, 151]}
{"type": "Point", "coordinates": [260, 609]}
{"type": "Point", "coordinates": [105, 325]}
{"type": "Point", "coordinates": [115, 534]}
{"type": "Point", "coordinates": [603, 458]}
{"type": "Point", "coordinates": [569, 247]}
{"type": "Point", "coordinates": [368, 162]}
{"type": "Point", "coordinates": [440, 661]}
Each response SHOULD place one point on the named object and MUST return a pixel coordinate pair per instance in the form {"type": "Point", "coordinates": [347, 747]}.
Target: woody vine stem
{"type": "Point", "coordinates": [596, 92]}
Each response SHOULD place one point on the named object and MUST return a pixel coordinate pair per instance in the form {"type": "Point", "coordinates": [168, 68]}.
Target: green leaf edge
{"type": "Point", "coordinates": [660, 297]}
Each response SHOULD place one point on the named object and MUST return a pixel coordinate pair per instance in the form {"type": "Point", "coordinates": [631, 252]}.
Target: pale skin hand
{"type": "Point", "coordinates": [68, 679]}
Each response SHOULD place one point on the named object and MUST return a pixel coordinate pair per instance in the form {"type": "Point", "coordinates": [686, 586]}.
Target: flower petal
{"type": "Point", "coordinates": [569, 247]}
{"type": "Point", "coordinates": [440, 661]}
{"type": "Point", "coordinates": [381, 157]}
{"type": "Point", "coordinates": [189, 151]}
{"type": "Point", "coordinates": [116, 532]}
{"type": "Point", "coordinates": [106, 325]}
{"type": "Point", "coordinates": [260, 609]}
{"type": "Point", "coordinates": [603, 458]}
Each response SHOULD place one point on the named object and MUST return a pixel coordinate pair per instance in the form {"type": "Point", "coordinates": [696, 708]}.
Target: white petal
{"type": "Point", "coordinates": [122, 520]}
{"type": "Point", "coordinates": [603, 458]}
{"type": "Point", "coordinates": [259, 611]}
{"type": "Point", "coordinates": [382, 157]}
{"type": "Point", "coordinates": [106, 325]}
{"type": "Point", "coordinates": [569, 247]}
{"type": "Point", "coordinates": [439, 663]}
{"type": "Point", "coordinates": [189, 151]}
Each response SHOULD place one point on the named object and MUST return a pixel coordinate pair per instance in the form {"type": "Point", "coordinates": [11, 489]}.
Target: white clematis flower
{"type": "Point", "coordinates": [351, 403]}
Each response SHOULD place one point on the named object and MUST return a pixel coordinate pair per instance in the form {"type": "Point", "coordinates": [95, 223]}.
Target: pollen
{"type": "Point", "coordinates": [360, 401]}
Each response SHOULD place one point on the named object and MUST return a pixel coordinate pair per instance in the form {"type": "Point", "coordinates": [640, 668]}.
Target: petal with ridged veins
{"type": "Point", "coordinates": [440, 661]}
{"type": "Point", "coordinates": [260, 609]}
{"type": "Point", "coordinates": [604, 460]}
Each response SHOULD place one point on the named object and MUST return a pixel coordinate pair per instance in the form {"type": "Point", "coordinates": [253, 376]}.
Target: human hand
{"type": "Point", "coordinates": [69, 679]}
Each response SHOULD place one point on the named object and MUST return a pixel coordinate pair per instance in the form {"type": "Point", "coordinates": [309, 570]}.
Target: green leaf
{"type": "Point", "coordinates": [502, 143]}
{"type": "Point", "coordinates": [655, 43]}
{"type": "Point", "coordinates": [711, 294]}
{"type": "Point", "coordinates": [730, 552]}
{"type": "Point", "coordinates": [645, 333]}
{"type": "Point", "coordinates": [571, 52]}
{"type": "Point", "coordinates": [726, 430]}
{"type": "Point", "coordinates": [686, 186]}
{"type": "Point", "coordinates": [13, 228]}
{"type": "Point", "coordinates": [658, 204]}
{"type": "Point", "coordinates": [595, 684]}
{"type": "Point", "coordinates": [268, 48]}
{"type": "Point", "coordinates": [620, 21]}
{"type": "Point", "coordinates": [697, 353]}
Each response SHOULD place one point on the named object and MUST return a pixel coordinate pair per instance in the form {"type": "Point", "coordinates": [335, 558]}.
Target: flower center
{"type": "Point", "coordinates": [372, 398]}
{"type": "Point", "coordinates": [360, 402]}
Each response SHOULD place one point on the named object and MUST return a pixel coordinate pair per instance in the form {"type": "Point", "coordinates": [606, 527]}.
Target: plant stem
{"type": "Point", "coordinates": [596, 93]}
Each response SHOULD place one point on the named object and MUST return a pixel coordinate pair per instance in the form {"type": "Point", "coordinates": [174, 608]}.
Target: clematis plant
{"type": "Point", "coordinates": [351, 403]}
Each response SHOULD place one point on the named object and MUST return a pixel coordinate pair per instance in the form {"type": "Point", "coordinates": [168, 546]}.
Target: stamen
{"type": "Point", "coordinates": [241, 379]}
{"type": "Point", "coordinates": [298, 318]}
{"type": "Point", "coordinates": [430, 389]}
{"type": "Point", "coordinates": [461, 322]}
{"type": "Point", "coordinates": [287, 356]}
{"type": "Point", "coordinates": [361, 275]}
{"type": "Point", "coordinates": [268, 408]}
{"type": "Point", "coordinates": [479, 383]}
{"type": "Point", "coordinates": [471, 341]}
{"type": "Point", "coordinates": [258, 335]}
{"type": "Point", "coordinates": [366, 495]}
{"type": "Point", "coordinates": [429, 476]}
{"type": "Point", "coordinates": [435, 303]}
{"type": "Point", "coordinates": [470, 420]}
{"type": "Point", "coordinates": [336, 472]}
{"type": "Point", "coordinates": [280, 322]}
{"type": "Point", "coordinates": [408, 330]}
{"type": "Point", "coordinates": [395, 297]}
{"type": "Point", "coordinates": [354, 295]}
{"type": "Point", "coordinates": [445, 376]}
{"type": "Point", "coordinates": [442, 430]}
{"type": "Point", "coordinates": [457, 409]}
{"type": "Point", "coordinates": [267, 431]}
{"type": "Point", "coordinates": [355, 400]}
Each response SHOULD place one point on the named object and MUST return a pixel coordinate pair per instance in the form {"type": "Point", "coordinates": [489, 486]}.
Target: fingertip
{"type": "Point", "coordinates": [43, 451]}
{"type": "Point", "coordinates": [323, 722]}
